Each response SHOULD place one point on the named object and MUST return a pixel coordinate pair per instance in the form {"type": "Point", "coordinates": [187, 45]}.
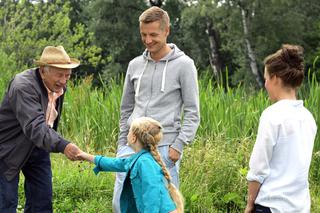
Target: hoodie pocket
{"type": "Point", "coordinates": [177, 125]}
{"type": "Point", "coordinates": [166, 119]}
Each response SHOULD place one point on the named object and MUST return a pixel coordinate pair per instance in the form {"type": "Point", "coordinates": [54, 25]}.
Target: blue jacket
{"type": "Point", "coordinates": [144, 189]}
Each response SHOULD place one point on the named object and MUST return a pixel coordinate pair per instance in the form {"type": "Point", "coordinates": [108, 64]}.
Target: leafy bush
{"type": "Point", "coordinates": [213, 175]}
{"type": "Point", "coordinates": [7, 70]}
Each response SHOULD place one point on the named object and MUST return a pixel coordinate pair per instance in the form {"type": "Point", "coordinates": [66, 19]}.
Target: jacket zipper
{"type": "Point", "coordinates": [155, 67]}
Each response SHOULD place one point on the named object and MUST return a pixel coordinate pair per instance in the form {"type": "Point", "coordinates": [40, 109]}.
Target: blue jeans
{"type": "Point", "coordinates": [37, 186]}
{"type": "Point", "coordinates": [126, 151]}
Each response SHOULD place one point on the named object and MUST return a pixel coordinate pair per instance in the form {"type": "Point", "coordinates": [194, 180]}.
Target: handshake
{"type": "Point", "coordinates": [75, 153]}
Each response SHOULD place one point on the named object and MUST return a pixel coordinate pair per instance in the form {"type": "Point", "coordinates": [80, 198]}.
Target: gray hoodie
{"type": "Point", "coordinates": [162, 90]}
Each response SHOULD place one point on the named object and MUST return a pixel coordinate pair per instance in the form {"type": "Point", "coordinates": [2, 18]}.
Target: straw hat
{"type": "Point", "coordinates": [56, 57]}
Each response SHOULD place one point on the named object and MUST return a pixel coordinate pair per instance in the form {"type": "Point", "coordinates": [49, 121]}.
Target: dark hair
{"type": "Point", "coordinates": [287, 64]}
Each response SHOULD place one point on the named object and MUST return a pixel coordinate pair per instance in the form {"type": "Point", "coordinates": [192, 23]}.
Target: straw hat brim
{"type": "Point", "coordinates": [73, 64]}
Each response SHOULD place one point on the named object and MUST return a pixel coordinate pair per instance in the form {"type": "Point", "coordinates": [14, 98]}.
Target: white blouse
{"type": "Point", "coordinates": [281, 157]}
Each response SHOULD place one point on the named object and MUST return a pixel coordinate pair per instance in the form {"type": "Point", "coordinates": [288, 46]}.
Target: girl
{"type": "Point", "coordinates": [280, 161]}
{"type": "Point", "coordinates": [147, 187]}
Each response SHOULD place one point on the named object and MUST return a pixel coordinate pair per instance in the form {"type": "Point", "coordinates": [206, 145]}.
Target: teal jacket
{"type": "Point", "coordinates": [144, 189]}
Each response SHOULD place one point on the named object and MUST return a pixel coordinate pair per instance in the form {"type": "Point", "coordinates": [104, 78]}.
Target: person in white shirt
{"type": "Point", "coordinates": [280, 160]}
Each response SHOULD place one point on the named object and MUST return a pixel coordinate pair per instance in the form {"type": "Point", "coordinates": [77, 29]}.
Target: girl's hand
{"type": "Point", "coordinates": [85, 156]}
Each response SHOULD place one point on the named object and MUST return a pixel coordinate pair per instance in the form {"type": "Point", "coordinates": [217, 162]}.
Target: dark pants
{"type": "Point", "coordinates": [37, 186]}
{"type": "Point", "coordinates": [261, 209]}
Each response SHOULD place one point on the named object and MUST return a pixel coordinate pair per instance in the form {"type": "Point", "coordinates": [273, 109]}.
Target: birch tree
{"type": "Point", "coordinates": [246, 15]}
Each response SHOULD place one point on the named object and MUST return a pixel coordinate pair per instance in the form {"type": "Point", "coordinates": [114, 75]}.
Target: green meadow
{"type": "Point", "coordinates": [227, 39]}
{"type": "Point", "coordinates": [213, 169]}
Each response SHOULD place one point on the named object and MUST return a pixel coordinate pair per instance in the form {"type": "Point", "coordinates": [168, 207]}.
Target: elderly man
{"type": "Point", "coordinates": [29, 117]}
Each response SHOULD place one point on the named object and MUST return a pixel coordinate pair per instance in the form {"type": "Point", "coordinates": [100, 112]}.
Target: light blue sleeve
{"type": "Point", "coordinates": [150, 186]}
{"type": "Point", "coordinates": [110, 164]}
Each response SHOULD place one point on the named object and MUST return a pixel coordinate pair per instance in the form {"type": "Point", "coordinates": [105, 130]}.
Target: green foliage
{"type": "Point", "coordinates": [213, 170]}
{"type": "Point", "coordinates": [210, 177]}
{"type": "Point", "coordinates": [193, 26]}
{"type": "Point", "coordinates": [116, 28]}
{"type": "Point", "coordinates": [29, 27]}
{"type": "Point", "coordinates": [113, 39]}
{"type": "Point", "coordinates": [232, 113]}
{"type": "Point", "coordinates": [76, 188]}
{"type": "Point", "coordinates": [104, 34]}
{"type": "Point", "coordinates": [7, 69]}
{"type": "Point", "coordinates": [91, 114]}
{"type": "Point", "coordinates": [174, 9]}
{"type": "Point", "coordinates": [270, 24]}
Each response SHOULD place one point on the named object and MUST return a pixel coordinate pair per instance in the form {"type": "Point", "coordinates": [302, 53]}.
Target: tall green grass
{"type": "Point", "coordinates": [91, 115]}
{"type": "Point", "coordinates": [7, 70]}
{"type": "Point", "coordinates": [214, 167]}
{"type": "Point", "coordinates": [230, 112]}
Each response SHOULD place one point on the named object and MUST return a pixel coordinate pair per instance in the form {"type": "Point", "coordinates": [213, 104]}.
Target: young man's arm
{"type": "Point", "coordinates": [191, 111]}
{"type": "Point", "coordinates": [126, 108]}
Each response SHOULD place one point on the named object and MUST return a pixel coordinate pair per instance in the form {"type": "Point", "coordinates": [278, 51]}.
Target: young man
{"type": "Point", "coordinates": [161, 83]}
{"type": "Point", "coordinates": [29, 117]}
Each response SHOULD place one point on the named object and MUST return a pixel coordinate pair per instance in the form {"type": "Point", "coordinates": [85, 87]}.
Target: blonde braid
{"type": "Point", "coordinates": [174, 192]}
{"type": "Point", "coordinates": [148, 132]}
{"type": "Point", "coordinates": [156, 155]}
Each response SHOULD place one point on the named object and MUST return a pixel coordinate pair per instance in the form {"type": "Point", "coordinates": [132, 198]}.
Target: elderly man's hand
{"type": "Point", "coordinates": [71, 151]}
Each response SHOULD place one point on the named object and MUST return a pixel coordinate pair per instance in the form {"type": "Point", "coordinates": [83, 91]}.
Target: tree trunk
{"type": "Point", "coordinates": [214, 55]}
{"type": "Point", "coordinates": [251, 54]}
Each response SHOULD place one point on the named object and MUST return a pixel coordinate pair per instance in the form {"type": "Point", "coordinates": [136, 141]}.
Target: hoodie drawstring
{"type": "Point", "coordinates": [164, 76]}
{"type": "Point", "coordinates": [163, 81]}
{"type": "Point", "coordinates": [139, 79]}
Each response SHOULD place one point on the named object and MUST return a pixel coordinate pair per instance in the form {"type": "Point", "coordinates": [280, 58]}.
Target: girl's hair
{"type": "Point", "coordinates": [287, 64]}
{"type": "Point", "coordinates": [155, 14]}
{"type": "Point", "coordinates": [149, 133]}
